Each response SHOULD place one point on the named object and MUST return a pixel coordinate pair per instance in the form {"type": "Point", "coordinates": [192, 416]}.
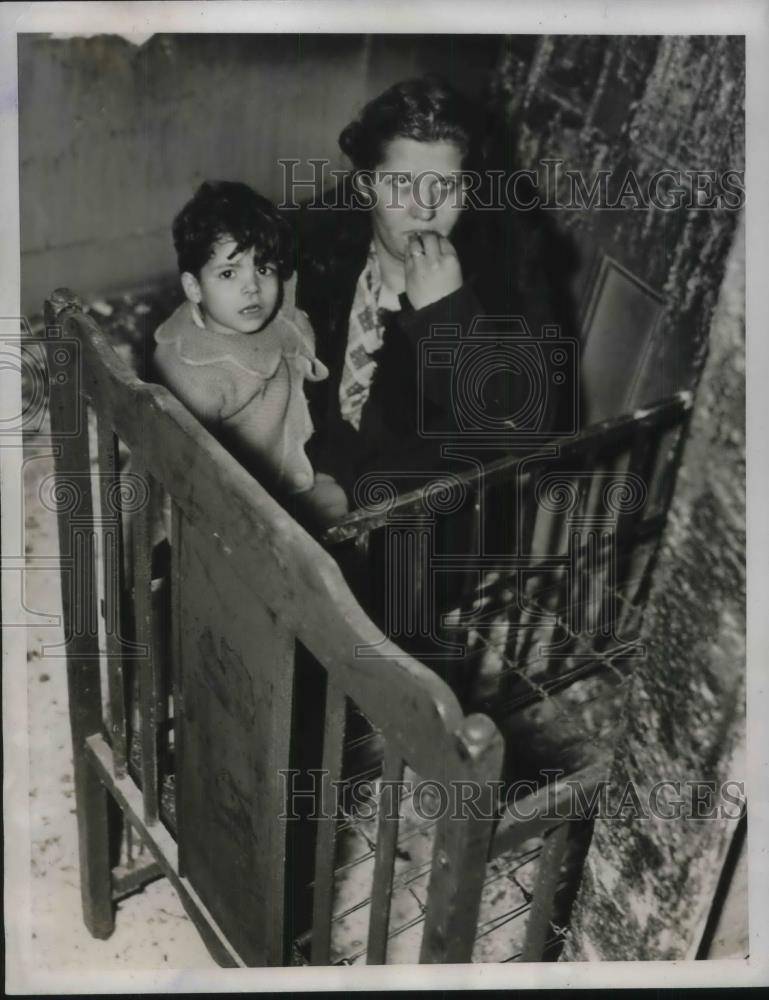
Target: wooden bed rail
{"type": "Point", "coordinates": [247, 583]}
{"type": "Point", "coordinates": [211, 660]}
{"type": "Point", "coordinates": [497, 467]}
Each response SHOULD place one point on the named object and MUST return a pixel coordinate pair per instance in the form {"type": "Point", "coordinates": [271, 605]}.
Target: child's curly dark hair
{"type": "Point", "coordinates": [222, 209]}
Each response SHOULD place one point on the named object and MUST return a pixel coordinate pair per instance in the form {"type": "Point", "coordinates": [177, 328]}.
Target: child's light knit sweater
{"type": "Point", "coordinates": [247, 388]}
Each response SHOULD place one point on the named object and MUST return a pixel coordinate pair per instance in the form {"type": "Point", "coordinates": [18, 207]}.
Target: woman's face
{"type": "Point", "coordinates": [417, 188]}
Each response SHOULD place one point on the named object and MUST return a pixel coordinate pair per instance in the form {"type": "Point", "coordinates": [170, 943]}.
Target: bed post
{"type": "Point", "coordinates": [462, 846]}
{"type": "Point", "coordinates": [69, 438]}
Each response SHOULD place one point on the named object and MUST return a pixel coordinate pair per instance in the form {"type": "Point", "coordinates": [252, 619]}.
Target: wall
{"type": "Point", "coordinates": [649, 104]}
{"type": "Point", "coordinates": [114, 138]}
{"type": "Point", "coordinates": [649, 883]}
{"type": "Point", "coordinates": [643, 104]}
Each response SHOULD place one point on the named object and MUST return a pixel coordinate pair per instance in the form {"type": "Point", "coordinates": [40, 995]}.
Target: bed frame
{"type": "Point", "coordinates": [184, 713]}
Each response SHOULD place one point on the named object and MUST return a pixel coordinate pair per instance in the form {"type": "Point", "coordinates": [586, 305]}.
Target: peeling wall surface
{"type": "Point", "coordinates": [648, 883]}
{"type": "Point", "coordinates": [649, 104]}
{"type": "Point", "coordinates": [644, 104]}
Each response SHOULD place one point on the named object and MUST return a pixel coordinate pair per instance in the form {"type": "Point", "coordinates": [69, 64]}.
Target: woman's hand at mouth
{"type": "Point", "coordinates": [432, 268]}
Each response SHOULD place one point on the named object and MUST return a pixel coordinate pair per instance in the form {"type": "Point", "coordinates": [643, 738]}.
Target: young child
{"type": "Point", "coordinates": [237, 351]}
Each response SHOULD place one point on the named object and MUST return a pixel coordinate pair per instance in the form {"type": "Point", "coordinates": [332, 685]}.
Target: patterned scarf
{"type": "Point", "coordinates": [365, 336]}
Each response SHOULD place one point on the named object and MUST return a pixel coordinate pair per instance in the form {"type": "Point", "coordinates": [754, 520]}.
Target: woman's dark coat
{"type": "Point", "coordinates": [333, 245]}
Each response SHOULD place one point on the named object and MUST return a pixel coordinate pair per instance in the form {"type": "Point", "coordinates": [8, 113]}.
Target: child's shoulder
{"type": "Point", "coordinates": [180, 320]}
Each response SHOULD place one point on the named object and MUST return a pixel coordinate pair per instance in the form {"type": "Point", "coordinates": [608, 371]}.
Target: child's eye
{"type": "Point", "coordinates": [226, 274]}
{"type": "Point", "coordinates": [402, 180]}
{"type": "Point", "coordinates": [265, 269]}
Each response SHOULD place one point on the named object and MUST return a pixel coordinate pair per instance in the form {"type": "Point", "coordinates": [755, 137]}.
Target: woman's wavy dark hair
{"type": "Point", "coordinates": [231, 209]}
{"type": "Point", "coordinates": [426, 109]}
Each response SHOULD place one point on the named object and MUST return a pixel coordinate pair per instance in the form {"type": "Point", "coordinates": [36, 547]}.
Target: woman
{"type": "Point", "coordinates": [376, 276]}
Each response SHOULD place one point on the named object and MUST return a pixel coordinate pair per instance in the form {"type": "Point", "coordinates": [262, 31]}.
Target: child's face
{"type": "Point", "coordinates": [235, 293]}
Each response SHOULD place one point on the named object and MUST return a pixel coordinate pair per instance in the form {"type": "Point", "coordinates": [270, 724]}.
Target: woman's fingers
{"type": "Point", "coordinates": [415, 245]}
{"type": "Point", "coordinates": [432, 268]}
{"type": "Point", "coordinates": [430, 245]}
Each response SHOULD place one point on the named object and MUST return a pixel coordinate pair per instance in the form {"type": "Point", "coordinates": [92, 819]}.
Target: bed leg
{"type": "Point", "coordinates": [461, 850]}
{"type": "Point", "coordinates": [77, 554]}
{"type": "Point", "coordinates": [538, 928]}
{"type": "Point", "coordinates": [94, 849]}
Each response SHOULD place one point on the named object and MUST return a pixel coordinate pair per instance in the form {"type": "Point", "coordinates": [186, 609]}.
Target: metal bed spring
{"type": "Point", "coordinates": [505, 898]}
{"type": "Point", "coordinates": [510, 882]}
{"type": "Point", "coordinates": [555, 601]}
